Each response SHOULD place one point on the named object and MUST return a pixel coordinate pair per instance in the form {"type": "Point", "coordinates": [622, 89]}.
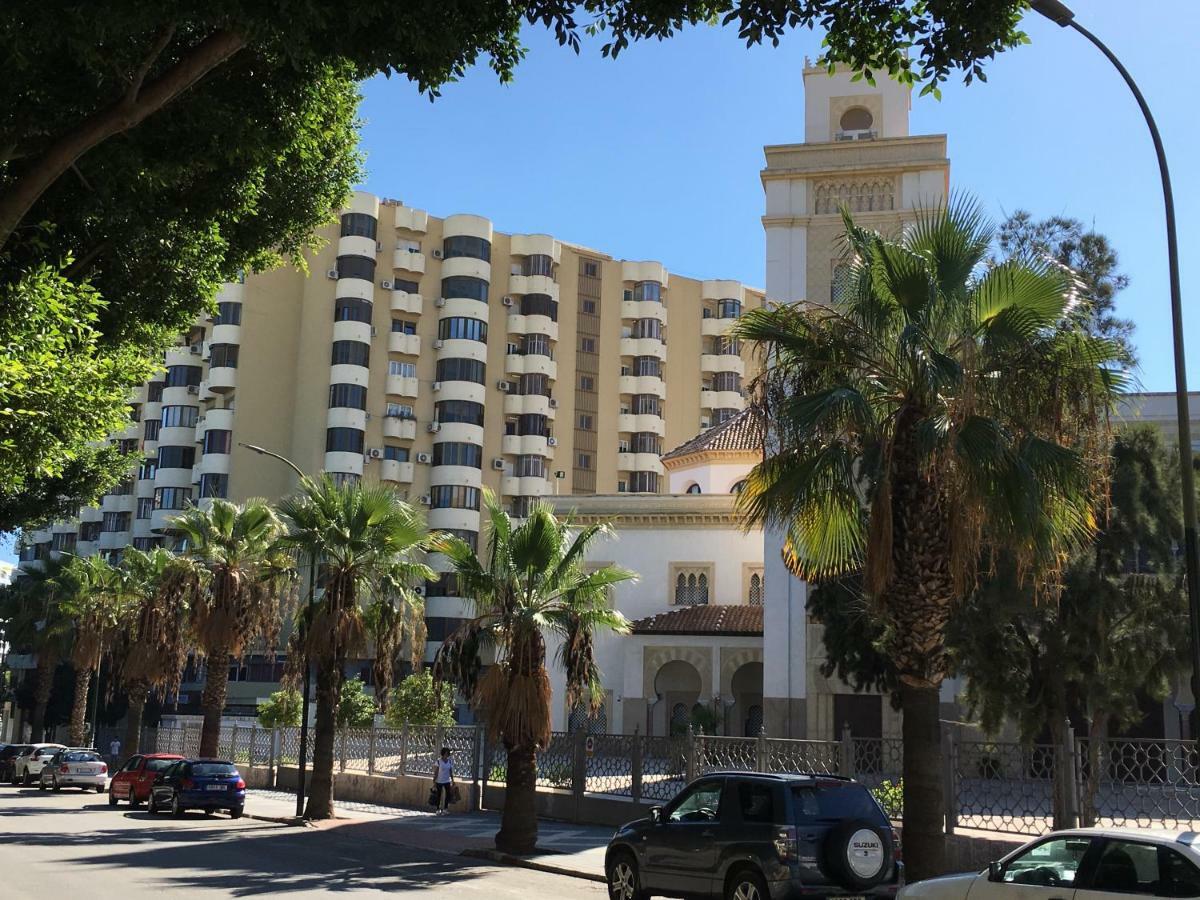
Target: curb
{"type": "Point", "coordinates": [523, 863]}
{"type": "Point", "coordinates": [295, 821]}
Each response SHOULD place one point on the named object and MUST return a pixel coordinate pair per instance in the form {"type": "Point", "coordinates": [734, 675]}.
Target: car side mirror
{"type": "Point", "coordinates": [656, 815]}
{"type": "Point", "coordinates": [995, 873]}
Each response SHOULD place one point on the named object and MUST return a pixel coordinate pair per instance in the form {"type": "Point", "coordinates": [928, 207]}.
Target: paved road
{"type": "Point", "coordinates": [74, 845]}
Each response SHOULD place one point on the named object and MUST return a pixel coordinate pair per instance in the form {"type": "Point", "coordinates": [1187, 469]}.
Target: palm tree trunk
{"type": "Point", "coordinates": [924, 803]}
{"type": "Point", "coordinates": [41, 695]}
{"type": "Point", "coordinates": [320, 788]}
{"type": "Point", "coordinates": [137, 694]}
{"type": "Point", "coordinates": [83, 680]}
{"type": "Point", "coordinates": [212, 700]}
{"type": "Point", "coordinates": [518, 822]}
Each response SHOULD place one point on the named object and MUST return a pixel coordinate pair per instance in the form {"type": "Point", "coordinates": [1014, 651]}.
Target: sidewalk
{"type": "Point", "coordinates": [573, 850]}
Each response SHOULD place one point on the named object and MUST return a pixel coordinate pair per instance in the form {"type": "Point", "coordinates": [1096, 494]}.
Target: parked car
{"type": "Point", "coordinates": [137, 776]}
{"type": "Point", "coordinates": [79, 767]}
{"type": "Point", "coordinates": [207, 784]}
{"type": "Point", "coordinates": [28, 766]}
{"type": "Point", "coordinates": [751, 836]}
{"type": "Point", "coordinates": [8, 756]}
{"type": "Point", "coordinates": [1087, 864]}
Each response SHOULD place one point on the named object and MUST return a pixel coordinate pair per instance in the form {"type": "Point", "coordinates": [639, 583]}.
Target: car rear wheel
{"type": "Point", "coordinates": [28, 778]}
{"type": "Point", "coordinates": [151, 806]}
{"type": "Point", "coordinates": [235, 813]}
{"type": "Point", "coordinates": [624, 883]}
{"type": "Point", "coordinates": [99, 789]}
{"type": "Point", "coordinates": [746, 885]}
{"type": "Point", "coordinates": [132, 798]}
{"type": "Point", "coordinates": [41, 784]}
{"type": "Point", "coordinates": [176, 809]}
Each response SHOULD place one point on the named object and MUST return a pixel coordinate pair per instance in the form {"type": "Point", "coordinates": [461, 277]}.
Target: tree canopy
{"type": "Point", "coordinates": [416, 701]}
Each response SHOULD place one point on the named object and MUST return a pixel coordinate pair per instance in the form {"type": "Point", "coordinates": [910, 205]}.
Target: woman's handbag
{"type": "Point", "coordinates": [455, 795]}
{"type": "Point", "coordinates": [433, 796]}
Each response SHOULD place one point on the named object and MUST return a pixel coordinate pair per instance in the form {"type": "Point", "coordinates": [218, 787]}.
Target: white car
{"type": "Point", "coordinates": [74, 767]}
{"type": "Point", "coordinates": [1082, 864]}
{"type": "Point", "coordinates": [28, 766]}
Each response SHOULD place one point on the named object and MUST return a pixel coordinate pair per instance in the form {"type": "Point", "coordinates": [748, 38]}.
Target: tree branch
{"type": "Point", "coordinates": [125, 113]}
{"type": "Point", "coordinates": [165, 34]}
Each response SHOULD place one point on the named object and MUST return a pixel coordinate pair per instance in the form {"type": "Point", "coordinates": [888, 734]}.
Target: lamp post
{"type": "Point", "coordinates": [1061, 15]}
{"type": "Point", "coordinates": [302, 760]}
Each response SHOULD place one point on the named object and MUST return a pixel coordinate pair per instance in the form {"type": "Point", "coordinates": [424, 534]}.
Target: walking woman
{"type": "Point", "coordinates": [443, 780]}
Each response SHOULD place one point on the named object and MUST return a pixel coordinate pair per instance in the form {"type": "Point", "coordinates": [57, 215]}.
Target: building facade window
{"type": "Point", "coordinates": [456, 369]}
{"type": "Point", "coordinates": [729, 308]}
{"type": "Point", "coordinates": [648, 290]}
{"type": "Point", "coordinates": [90, 531]}
{"type": "Point", "coordinates": [350, 396]}
{"type": "Point", "coordinates": [182, 376]}
{"type": "Point", "coordinates": [218, 440]}
{"type": "Point", "coordinates": [125, 446]}
{"type": "Point", "coordinates": [115, 521]}
{"type": "Point", "coordinates": [406, 286]}
{"type": "Point", "coordinates": [693, 488]}
{"type": "Point", "coordinates": [145, 506]}
{"type": "Point", "coordinates": [468, 537]}
{"type": "Point", "coordinates": [643, 482]}
{"type": "Point", "coordinates": [454, 453]}
{"type": "Point", "coordinates": [398, 411]}
{"type": "Point", "coordinates": [533, 424]}
{"type": "Point", "coordinates": [454, 496]}
{"type": "Point", "coordinates": [583, 461]}
{"type": "Point", "coordinates": [754, 588]}
{"type": "Point", "coordinates": [466, 245]}
{"type": "Point", "coordinates": [352, 309]}
{"type": "Point", "coordinates": [530, 466]}
{"type": "Point", "coordinates": [647, 365]}
{"type": "Point", "coordinates": [645, 405]}
{"type": "Point", "coordinates": [176, 457]}
{"type": "Point", "coordinates": [465, 411]}
{"type": "Point", "coordinates": [180, 416]}
{"type": "Point", "coordinates": [63, 542]}
{"type": "Point", "coordinates": [461, 328]}
{"type": "Point", "coordinates": [154, 392]}
{"type": "Point", "coordinates": [648, 328]}
{"type": "Point", "coordinates": [536, 345]}
{"type": "Point", "coordinates": [724, 415]}
{"type": "Point", "coordinates": [400, 326]}
{"type": "Point", "coordinates": [146, 544]}
{"type": "Point", "coordinates": [402, 369]}
{"type": "Point", "coordinates": [359, 225]}
{"type": "Point", "coordinates": [465, 287]}
{"type": "Point", "coordinates": [534, 384]}
{"type": "Point", "coordinates": [539, 305]}
{"type": "Point", "coordinates": [223, 356]}
{"type": "Point", "coordinates": [538, 264]}
{"type": "Point", "coordinates": [214, 484]}
{"type": "Point", "coordinates": [147, 469]}
{"type": "Point", "coordinates": [587, 345]}
{"type": "Point", "coordinates": [343, 440]}
{"type": "Point", "coordinates": [587, 383]}
{"type": "Point", "coordinates": [726, 381]}
{"type": "Point", "coordinates": [445, 585]}
{"type": "Point", "coordinates": [586, 422]}
{"type": "Point", "coordinates": [351, 353]}
{"type": "Point", "coordinates": [356, 267]}
{"type": "Point", "coordinates": [345, 479]}
{"type": "Point", "coordinates": [396, 454]}
{"type": "Point", "coordinates": [228, 313]}
{"type": "Point", "coordinates": [172, 497]}
{"type": "Point", "coordinates": [645, 442]}
{"type": "Point", "coordinates": [690, 585]}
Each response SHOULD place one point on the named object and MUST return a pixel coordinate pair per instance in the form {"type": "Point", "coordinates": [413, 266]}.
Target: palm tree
{"type": "Point", "coordinates": [531, 582]}
{"type": "Point", "coordinates": [366, 540]}
{"type": "Point", "coordinates": [94, 597]}
{"type": "Point", "coordinates": [937, 407]}
{"type": "Point", "coordinates": [396, 613]}
{"type": "Point", "coordinates": [246, 581]}
{"type": "Point", "coordinates": [152, 650]}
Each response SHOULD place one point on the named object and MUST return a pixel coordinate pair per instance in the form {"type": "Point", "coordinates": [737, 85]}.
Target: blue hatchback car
{"type": "Point", "coordinates": [207, 784]}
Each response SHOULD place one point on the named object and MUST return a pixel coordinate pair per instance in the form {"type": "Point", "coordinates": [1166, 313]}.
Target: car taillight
{"type": "Point", "coordinates": [187, 784]}
{"type": "Point", "coordinates": [785, 843]}
{"type": "Point", "coordinates": [63, 770]}
{"type": "Point", "coordinates": [896, 846]}
{"type": "Point", "coordinates": [103, 768]}
{"type": "Point", "coordinates": [240, 786]}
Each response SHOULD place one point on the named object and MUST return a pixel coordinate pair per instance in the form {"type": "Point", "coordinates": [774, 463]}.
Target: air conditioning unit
{"type": "Point", "coordinates": [423, 458]}
{"type": "Point", "coordinates": [375, 453]}
{"type": "Point", "coordinates": [507, 301]}
{"type": "Point", "coordinates": [553, 403]}
{"type": "Point", "coordinates": [439, 302]}
{"type": "Point", "coordinates": [331, 274]}
{"type": "Point", "coordinates": [551, 442]}
{"type": "Point", "coordinates": [196, 348]}
{"type": "Point", "coordinates": [437, 344]}
{"type": "Point", "coordinates": [437, 254]}
{"type": "Point", "coordinates": [498, 464]}
{"type": "Point", "coordinates": [436, 386]}
{"type": "Point", "coordinates": [504, 386]}
{"type": "Point", "coordinates": [386, 285]}
{"type": "Point", "coordinates": [425, 500]}
{"type": "Point", "coordinates": [193, 389]}
{"type": "Point", "coordinates": [433, 427]}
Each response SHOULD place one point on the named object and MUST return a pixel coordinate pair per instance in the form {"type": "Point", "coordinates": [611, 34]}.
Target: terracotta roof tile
{"type": "Point", "coordinates": [715, 619]}
{"type": "Point", "coordinates": [742, 432]}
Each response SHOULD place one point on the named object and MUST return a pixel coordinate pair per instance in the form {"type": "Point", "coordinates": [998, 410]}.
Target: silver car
{"type": "Point", "coordinates": [74, 767]}
{"type": "Point", "coordinates": [28, 766]}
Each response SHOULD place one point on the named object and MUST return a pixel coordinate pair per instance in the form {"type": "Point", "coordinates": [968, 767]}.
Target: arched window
{"type": "Point", "coordinates": [755, 594]}
{"type": "Point", "coordinates": [681, 590]}
{"type": "Point", "coordinates": [693, 488]}
{"type": "Point", "coordinates": [680, 718]}
{"type": "Point", "coordinates": [839, 282]}
{"type": "Point", "coordinates": [857, 119]}
{"type": "Point", "coordinates": [691, 590]}
{"type": "Point", "coordinates": [701, 595]}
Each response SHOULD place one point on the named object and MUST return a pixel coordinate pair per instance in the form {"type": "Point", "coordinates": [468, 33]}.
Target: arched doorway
{"type": "Point", "coordinates": [747, 685]}
{"type": "Point", "coordinates": [677, 686]}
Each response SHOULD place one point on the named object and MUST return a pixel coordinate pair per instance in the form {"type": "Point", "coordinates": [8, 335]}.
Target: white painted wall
{"type": "Point", "coordinates": [713, 478]}
{"type": "Point", "coordinates": [820, 88]}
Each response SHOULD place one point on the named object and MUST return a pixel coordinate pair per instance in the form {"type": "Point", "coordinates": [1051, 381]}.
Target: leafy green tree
{"type": "Point", "coordinates": [936, 407]}
{"type": "Point", "coordinates": [363, 535]}
{"type": "Point", "coordinates": [247, 581]}
{"type": "Point", "coordinates": [356, 708]}
{"type": "Point", "coordinates": [283, 708]}
{"type": "Point", "coordinates": [530, 582]}
{"type": "Point", "coordinates": [417, 700]}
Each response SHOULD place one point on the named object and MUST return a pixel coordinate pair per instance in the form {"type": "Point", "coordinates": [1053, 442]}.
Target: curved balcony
{"type": "Point", "coordinates": [363, 202]}
{"type": "Point", "coordinates": [631, 346]}
{"type": "Point", "coordinates": [649, 270]}
{"type": "Point", "coordinates": [460, 390]}
{"type": "Point", "coordinates": [232, 292]}
{"type": "Point", "coordinates": [161, 521]}
{"type": "Point", "coordinates": [643, 309]}
{"type": "Point", "coordinates": [177, 436]}
{"type": "Point", "coordinates": [534, 364]}
{"type": "Point", "coordinates": [642, 384]}
{"type": "Point", "coordinates": [181, 356]}
{"type": "Point", "coordinates": [465, 475]}
{"type": "Point", "coordinates": [66, 527]}
{"type": "Point", "coordinates": [399, 342]}
{"type": "Point", "coordinates": [462, 519]}
{"type": "Point", "coordinates": [219, 418]}
{"type": "Point", "coordinates": [345, 417]}
{"type": "Point", "coordinates": [528, 404]}
{"type": "Point", "coordinates": [403, 429]}
{"type": "Point", "coordinates": [459, 432]}
{"type": "Point", "coordinates": [467, 224]}
{"type": "Point", "coordinates": [222, 379]}
{"type": "Point", "coordinates": [404, 302]}
{"type": "Point", "coordinates": [460, 348]}
{"type": "Point", "coordinates": [722, 362]}
{"type": "Point", "coordinates": [519, 324]}
{"type": "Point", "coordinates": [524, 486]}
{"type": "Point", "coordinates": [87, 548]}
{"type": "Point", "coordinates": [180, 396]}
{"type": "Point", "coordinates": [409, 219]}
{"type": "Point", "coordinates": [715, 327]}
{"type": "Point", "coordinates": [214, 463]}
{"type": "Point", "coordinates": [639, 462]}
{"type": "Point", "coordinates": [722, 289]}
{"type": "Point", "coordinates": [356, 245]}
{"type": "Point", "coordinates": [468, 266]}
{"type": "Point", "coordinates": [525, 445]}
{"type": "Point", "coordinates": [352, 331]}
{"type": "Point", "coordinates": [722, 400]}
{"type": "Point", "coordinates": [406, 260]}
{"type": "Point", "coordinates": [205, 392]}
{"type": "Point", "coordinates": [114, 540]}
{"type": "Point", "coordinates": [535, 245]}
{"type": "Point", "coordinates": [91, 514]}
{"type": "Point", "coordinates": [643, 422]}
{"type": "Point", "coordinates": [341, 461]}
{"type": "Point", "coordinates": [453, 307]}
{"type": "Point", "coordinates": [173, 478]}
{"type": "Point", "coordinates": [226, 334]}
{"type": "Point", "coordinates": [132, 430]}
{"type": "Point", "coordinates": [402, 385]}
{"type": "Point", "coordinates": [348, 374]}
{"type": "Point", "coordinates": [357, 288]}
{"type": "Point", "coordinates": [394, 470]}
{"type": "Point", "coordinates": [533, 284]}
{"type": "Point", "coordinates": [144, 488]}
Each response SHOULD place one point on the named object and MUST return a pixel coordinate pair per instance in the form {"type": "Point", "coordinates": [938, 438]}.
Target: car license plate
{"type": "Point", "coordinates": [89, 770]}
{"type": "Point", "coordinates": [215, 787]}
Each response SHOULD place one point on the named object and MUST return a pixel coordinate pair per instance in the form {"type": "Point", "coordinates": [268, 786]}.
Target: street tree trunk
{"type": "Point", "coordinates": [83, 680]}
{"type": "Point", "coordinates": [518, 821]}
{"type": "Point", "coordinates": [924, 801]}
{"type": "Point", "coordinates": [41, 696]}
{"type": "Point", "coordinates": [320, 786]}
{"type": "Point", "coordinates": [137, 693]}
{"type": "Point", "coordinates": [212, 700]}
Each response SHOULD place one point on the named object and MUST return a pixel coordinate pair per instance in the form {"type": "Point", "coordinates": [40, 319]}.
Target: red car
{"type": "Point", "coordinates": [134, 780]}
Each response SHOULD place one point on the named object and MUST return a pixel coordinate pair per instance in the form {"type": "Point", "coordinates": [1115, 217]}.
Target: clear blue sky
{"type": "Point", "coordinates": [657, 154]}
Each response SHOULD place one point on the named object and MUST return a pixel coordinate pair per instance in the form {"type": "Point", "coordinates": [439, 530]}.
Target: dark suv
{"type": "Point", "coordinates": [749, 836]}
